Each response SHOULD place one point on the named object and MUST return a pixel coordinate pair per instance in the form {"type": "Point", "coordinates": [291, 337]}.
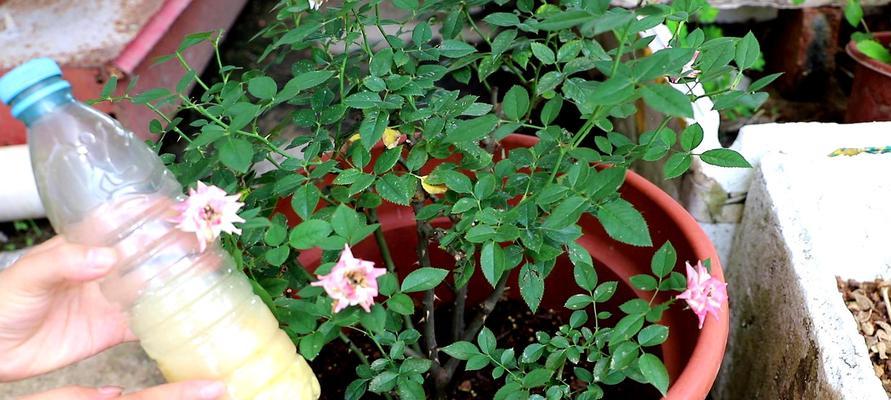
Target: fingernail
{"type": "Point", "coordinates": [110, 391]}
{"type": "Point", "coordinates": [102, 258]}
{"type": "Point", "coordinates": [212, 391]}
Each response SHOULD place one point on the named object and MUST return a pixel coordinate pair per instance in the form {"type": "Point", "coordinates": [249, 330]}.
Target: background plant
{"type": "Point", "coordinates": [562, 72]}
{"type": "Point", "coordinates": [864, 39]}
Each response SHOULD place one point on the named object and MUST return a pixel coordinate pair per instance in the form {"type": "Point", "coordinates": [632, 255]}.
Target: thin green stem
{"type": "Point", "coordinates": [356, 350]}
{"type": "Point", "coordinates": [474, 27]}
{"type": "Point", "coordinates": [188, 68]}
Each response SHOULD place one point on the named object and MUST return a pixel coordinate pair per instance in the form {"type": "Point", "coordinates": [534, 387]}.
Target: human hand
{"type": "Point", "coordinates": [195, 390]}
{"type": "Point", "coordinates": [52, 312]}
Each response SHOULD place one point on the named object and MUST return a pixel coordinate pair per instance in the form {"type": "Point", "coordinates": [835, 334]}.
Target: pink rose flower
{"type": "Point", "coordinates": [351, 282]}
{"type": "Point", "coordinates": [705, 294]}
{"type": "Point", "coordinates": [208, 211]}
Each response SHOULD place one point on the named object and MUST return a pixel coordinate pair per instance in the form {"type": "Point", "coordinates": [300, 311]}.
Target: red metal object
{"type": "Point", "coordinates": [871, 91]}
{"type": "Point", "coordinates": [692, 356]}
{"type": "Point", "coordinates": [160, 36]}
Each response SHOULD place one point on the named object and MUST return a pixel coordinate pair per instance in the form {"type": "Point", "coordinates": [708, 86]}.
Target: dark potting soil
{"type": "Point", "coordinates": [869, 302]}
{"type": "Point", "coordinates": [514, 326]}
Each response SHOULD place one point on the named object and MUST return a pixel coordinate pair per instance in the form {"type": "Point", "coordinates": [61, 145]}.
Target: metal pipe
{"type": "Point", "coordinates": [18, 192]}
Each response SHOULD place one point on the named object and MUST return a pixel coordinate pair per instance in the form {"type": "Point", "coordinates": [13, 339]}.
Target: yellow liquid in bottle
{"type": "Point", "coordinates": [197, 316]}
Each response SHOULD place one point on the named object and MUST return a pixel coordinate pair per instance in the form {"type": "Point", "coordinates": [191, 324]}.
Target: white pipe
{"type": "Point", "coordinates": [18, 192]}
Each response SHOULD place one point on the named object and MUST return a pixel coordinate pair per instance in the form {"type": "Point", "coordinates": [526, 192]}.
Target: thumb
{"type": "Point", "coordinates": [57, 262]}
{"type": "Point", "coordinates": [191, 390]}
{"type": "Point", "coordinates": [77, 393]}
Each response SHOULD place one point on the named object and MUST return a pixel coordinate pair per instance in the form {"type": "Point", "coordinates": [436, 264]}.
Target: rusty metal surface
{"type": "Point", "coordinates": [84, 33]}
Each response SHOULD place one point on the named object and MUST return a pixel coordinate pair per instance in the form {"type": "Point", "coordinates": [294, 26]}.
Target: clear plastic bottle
{"type": "Point", "coordinates": [193, 311]}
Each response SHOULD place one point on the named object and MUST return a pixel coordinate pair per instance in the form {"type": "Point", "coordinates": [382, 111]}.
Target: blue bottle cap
{"type": "Point", "coordinates": [25, 76]}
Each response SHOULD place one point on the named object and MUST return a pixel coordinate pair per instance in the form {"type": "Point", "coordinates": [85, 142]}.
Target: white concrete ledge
{"type": "Point", "coordinates": [807, 220]}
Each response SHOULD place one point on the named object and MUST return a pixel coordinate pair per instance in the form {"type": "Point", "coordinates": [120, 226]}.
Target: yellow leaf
{"type": "Point", "coordinates": [432, 189]}
{"type": "Point", "coordinates": [391, 137]}
{"type": "Point", "coordinates": [354, 138]}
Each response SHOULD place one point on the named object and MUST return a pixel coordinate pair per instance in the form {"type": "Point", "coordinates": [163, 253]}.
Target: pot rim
{"type": "Point", "coordinates": [862, 59]}
{"type": "Point", "coordinates": [701, 370]}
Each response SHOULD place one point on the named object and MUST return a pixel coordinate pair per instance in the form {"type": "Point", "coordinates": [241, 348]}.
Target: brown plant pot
{"type": "Point", "coordinates": [692, 356]}
{"type": "Point", "coordinates": [871, 91]}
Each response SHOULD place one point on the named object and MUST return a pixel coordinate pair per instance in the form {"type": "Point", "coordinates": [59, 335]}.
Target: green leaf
{"type": "Point", "coordinates": [578, 301]}
{"type": "Point", "coordinates": [363, 100]}
{"type": "Point", "coordinates": [375, 321]}
{"type": "Point", "coordinates": [676, 165]}
{"type": "Point", "coordinates": [532, 353]}
{"type": "Point", "coordinates": [461, 350]}
{"type": "Point", "coordinates": [725, 158]}
{"type": "Point", "coordinates": [667, 100]}
{"type": "Point", "coordinates": [384, 382]}
{"type": "Point", "coordinates": [421, 33]}
{"type": "Point", "coordinates": [502, 19]}
{"type": "Point", "coordinates": [346, 222]}
{"type": "Point", "coordinates": [664, 260]}
{"type": "Point", "coordinates": [853, 12]}
{"type": "Point", "coordinates": [652, 335]}
{"type": "Point", "coordinates": [311, 345]}
{"type": "Point", "coordinates": [387, 160]}
{"type": "Point", "coordinates": [396, 189]}
{"type": "Point", "coordinates": [236, 154]}
{"type": "Point", "coordinates": [652, 368]}
{"type": "Point", "coordinates": [516, 103]}
{"type": "Point", "coordinates": [627, 327]}
{"type": "Point", "coordinates": [456, 181]}
{"type": "Point", "coordinates": [605, 291]}
{"type": "Point", "coordinates": [623, 223]}
{"type": "Point", "coordinates": [309, 233]}
{"type": "Point", "coordinates": [874, 50]}
{"type": "Point", "coordinates": [406, 4]}
{"type": "Point", "coordinates": [569, 51]}
{"type": "Point", "coordinates": [537, 377]}
{"type": "Point", "coordinates": [486, 341]}
{"type": "Point", "coordinates": [691, 137]}
{"type": "Point", "coordinates": [492, 262]}
{"type": "Point", "coordinates": [372, 128]}
{"type": "Point", "coordinates": [503, 41]}
{"type": "Point", "coordinates": [423, 279]}
{"type": "Point", "coordinates": [277, 256]}
{"type": "Point", "coordinates": [551, 110]}
{"type": "Point", "coordinates": [476, 362]}
{"type": "Point", "coordinates": [455, 48]}
{"type": "Point", "coordinates": [643, 282]}
{"type": "Point", "coordinates": [262, 87]}
{"type": "Point", "coordinates": [566, 214]}
{"type": "Point", "coordinates": [585, 276]}
{"type": "Point", "coordinates": [356, 389]}
{"type": "Point", "coordinates": [305, 200]}
{"type": "Point", "coordinates": [564, 20]}
{"type": "Point", "coordinates": [747, 51]}
{"type": "Point", "coordinates": [407, 388]}
{"type": "Point", "coordinates": [400, 303]}
{"type": "Point", "coordinates": [625, 354]}
{"type": "Point", "coordinates": [763, 82]}
{"type": "Point", "coordinates": [531, 286]}
{"type": "Point", "coordinates": [471, 129]}
{"type": "Point", "coordinates": [109, 87]}
{"type": "Point", "coordinates": [543, 53]}
{"type": "Point", "coordinates": [210, 133]}
{"type": "Point", "coordinates": [302, 82]}
{"type": "Point", "coordinates": [275, 235]}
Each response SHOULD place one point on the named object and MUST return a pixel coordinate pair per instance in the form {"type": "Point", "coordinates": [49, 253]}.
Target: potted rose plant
{"type": "Point", "coordinates": [870, 99]}
{"type": "Point", "coordinates": [464, 160]}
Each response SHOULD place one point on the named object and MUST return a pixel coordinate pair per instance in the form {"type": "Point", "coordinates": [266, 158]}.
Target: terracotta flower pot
{"type": "Point", "coordinates": [871, 91]}
{"type": "Point", "coordinates": [692, 356]}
